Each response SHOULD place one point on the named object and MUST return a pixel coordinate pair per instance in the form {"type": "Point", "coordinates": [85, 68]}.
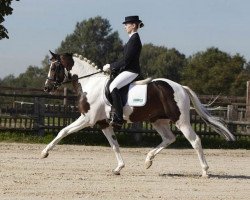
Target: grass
{"type": "Point", "coordinates": [125, 140]}
{"type": "Point", "coordinates": [22, 137]}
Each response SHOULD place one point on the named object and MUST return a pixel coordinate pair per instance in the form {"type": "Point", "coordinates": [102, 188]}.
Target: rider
{"type": "Point", "coordinates": [127, 69]}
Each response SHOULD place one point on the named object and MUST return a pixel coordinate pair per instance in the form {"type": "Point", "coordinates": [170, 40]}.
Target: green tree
{"type": "Point", "coordinates": [33, 77]}
{"type": "Point", "coordinates": [247, 67]}
{"type": "Point", "coordinates": [213, 71]}
{"type": "Point", "coordinates": [239, 85]}
{"type": "Point", "coordinates": [8, 81]}
{"type": "Point", "coordinates": [5, 10]}
{"type": "Point", "coordinates": [45, 64]}
{"type": "Point", "coordinates": [93, 39]}
{"type": "Point", "coordinates": [162, 62]}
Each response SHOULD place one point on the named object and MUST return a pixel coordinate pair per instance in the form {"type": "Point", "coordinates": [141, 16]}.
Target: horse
{"type": "Point", "coordinates": [167, 102]}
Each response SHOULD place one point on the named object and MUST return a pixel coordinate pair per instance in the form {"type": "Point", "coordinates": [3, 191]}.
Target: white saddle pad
{"type": "Point", "coordinates": [137, 95]}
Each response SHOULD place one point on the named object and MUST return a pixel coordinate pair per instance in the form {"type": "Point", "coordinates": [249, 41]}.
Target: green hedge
{"type": "Point", "coordinates": [124, 139]}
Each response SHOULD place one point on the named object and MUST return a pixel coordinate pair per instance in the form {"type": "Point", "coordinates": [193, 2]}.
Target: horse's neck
{"type": "Point", "coordinates": [91, 83]}
{"type": "Point", "coordinates": [82, 68]}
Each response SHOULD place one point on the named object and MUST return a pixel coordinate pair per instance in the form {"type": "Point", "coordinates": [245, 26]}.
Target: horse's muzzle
{"type": "Point", "coordinates": [46, 89]}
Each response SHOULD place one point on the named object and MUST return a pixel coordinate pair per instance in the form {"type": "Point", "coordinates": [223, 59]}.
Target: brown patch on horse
{"type": "Point", "coordinates": [103, 124]}
{"type": "Point", "coordinates": [67, 61]}
{"type": "Point", "coordinates": [83, 104]}
{"type": "Point", "coordinates": [76, 85]}
{"type": "Point", "coordinates": [160, 104]}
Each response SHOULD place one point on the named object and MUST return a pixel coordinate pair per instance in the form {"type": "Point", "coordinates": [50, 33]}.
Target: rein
{"type": "Point", "coordinates": [64, 82]}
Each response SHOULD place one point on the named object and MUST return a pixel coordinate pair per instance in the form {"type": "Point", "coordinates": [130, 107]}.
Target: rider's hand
{"type": "Point", "coordinates": [106, 68]}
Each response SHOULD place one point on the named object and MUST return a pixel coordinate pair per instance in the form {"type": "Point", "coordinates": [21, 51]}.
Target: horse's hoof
{"type": "Point", "coordinates": [44, 155]}
{"type": "Point", "coordinates": [148, 163]}
{"type": "Point", "coordinates": [116, 172]}
{"type": "Point", "coordinates": [205, 175]}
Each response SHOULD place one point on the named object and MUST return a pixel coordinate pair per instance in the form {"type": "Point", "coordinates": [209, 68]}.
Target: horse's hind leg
{"type": "Point", "coordinates": [110, 135]}
{"type": "Point", "coordinates": [195, 141]}
{"type": "Point", "coordinates": [163, 128]}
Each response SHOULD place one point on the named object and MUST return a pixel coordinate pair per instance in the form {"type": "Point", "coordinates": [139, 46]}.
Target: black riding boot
{"type": "Point", "coordinates": [116, 114]}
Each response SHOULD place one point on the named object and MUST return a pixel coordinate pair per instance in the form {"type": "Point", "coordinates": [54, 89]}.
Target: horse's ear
{"type": "Point", "coordinates": [53, 54]}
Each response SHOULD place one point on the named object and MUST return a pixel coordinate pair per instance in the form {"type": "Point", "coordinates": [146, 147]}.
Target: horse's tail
{"type": "Point", "coordinates": [213, 122]}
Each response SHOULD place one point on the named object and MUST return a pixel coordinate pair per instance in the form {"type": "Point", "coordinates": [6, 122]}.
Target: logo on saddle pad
{"type": "Point", "coordinates": [137, 95]}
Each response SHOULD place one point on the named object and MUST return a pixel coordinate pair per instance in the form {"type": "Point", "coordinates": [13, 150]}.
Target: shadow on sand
{"type": "Point", "coordinates": [216, 176]}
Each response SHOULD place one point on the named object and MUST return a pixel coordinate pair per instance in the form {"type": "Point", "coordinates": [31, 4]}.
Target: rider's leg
{"type": "Point", "coordinates": [116, 114]}
{"type": "Point", "coordinates": [120, 81]}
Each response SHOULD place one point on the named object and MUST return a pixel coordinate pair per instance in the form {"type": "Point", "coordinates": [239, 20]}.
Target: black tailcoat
{"type": "Point", "coordinates": [130, 61]}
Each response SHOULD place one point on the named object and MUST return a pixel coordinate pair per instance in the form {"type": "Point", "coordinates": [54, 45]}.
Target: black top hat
{"type": "Point", "coordinates": [133, 19]}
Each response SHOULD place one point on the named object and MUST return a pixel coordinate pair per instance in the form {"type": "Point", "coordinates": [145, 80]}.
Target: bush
{"type": "Point", "coordinates": [125, 140]}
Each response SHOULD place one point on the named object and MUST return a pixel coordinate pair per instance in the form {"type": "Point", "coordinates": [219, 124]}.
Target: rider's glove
{"type": "Point", "coordinates": [106, 68]}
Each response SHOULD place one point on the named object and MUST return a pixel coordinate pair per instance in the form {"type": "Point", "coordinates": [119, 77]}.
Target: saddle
{"type": "Point", "coordinates": [133, 94]}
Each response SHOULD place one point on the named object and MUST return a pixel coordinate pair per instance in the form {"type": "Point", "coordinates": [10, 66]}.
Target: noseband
{"type": "Point", "coordinates": [56, 79]}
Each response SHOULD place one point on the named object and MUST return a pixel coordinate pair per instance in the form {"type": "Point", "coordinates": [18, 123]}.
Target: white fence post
{"type": "Point", "coordinates": [248, 101]}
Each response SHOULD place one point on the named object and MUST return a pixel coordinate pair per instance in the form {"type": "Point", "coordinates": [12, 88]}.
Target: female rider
{"type": "Point", "coordinates": [128, 68]}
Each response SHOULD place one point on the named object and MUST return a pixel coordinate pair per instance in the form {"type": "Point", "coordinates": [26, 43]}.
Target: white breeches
{"type": "Point", "coordinates": [122, 79]}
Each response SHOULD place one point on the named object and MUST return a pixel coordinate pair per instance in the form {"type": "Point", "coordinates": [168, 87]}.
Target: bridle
{"type": "Point", "coordinates": [55, 81]}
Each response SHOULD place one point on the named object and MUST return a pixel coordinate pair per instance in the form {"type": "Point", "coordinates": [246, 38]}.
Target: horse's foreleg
{"type": "Point", "coordinates": [162, 127]}
{"type": "Point", "coordinates": [110, 135]}
{"type": "Point", "coordinates": [77, 125]}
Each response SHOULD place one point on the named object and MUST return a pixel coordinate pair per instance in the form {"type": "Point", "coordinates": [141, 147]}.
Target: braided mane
{"type": "Point", "coordinates": [85, 61]}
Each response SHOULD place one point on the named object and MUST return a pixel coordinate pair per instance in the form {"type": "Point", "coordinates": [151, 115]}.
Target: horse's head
{"type": "Point", "coordinates": [58, 71]}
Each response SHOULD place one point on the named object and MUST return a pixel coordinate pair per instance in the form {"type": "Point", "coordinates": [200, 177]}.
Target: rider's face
{"type": "Point", "coordinates": [130, 27]}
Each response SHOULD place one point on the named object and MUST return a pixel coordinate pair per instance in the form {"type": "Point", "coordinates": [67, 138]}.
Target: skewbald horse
{"type": "Point", "coordinates": [166, 101]}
